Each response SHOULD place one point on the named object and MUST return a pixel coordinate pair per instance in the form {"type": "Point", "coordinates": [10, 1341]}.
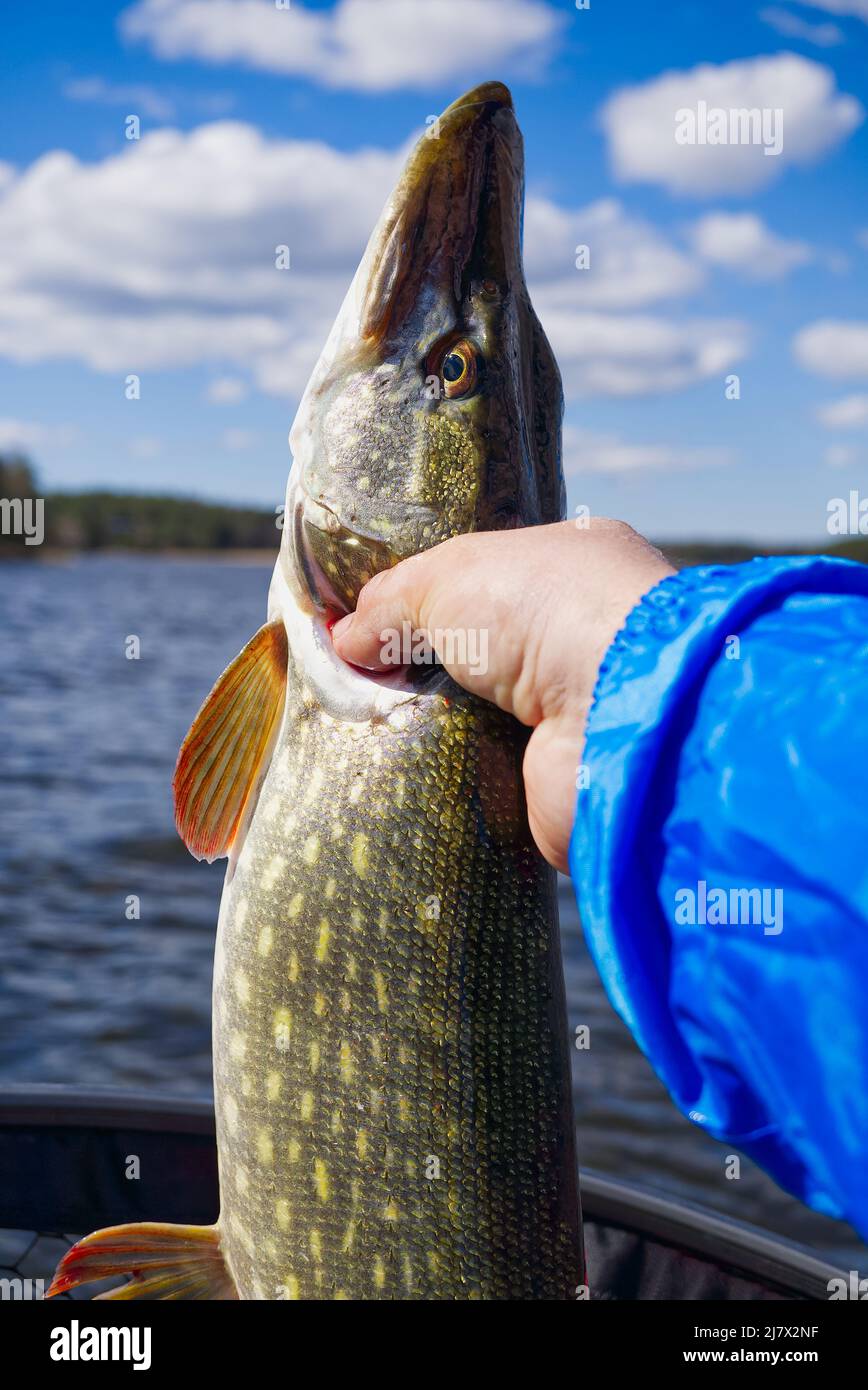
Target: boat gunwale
{"type": "Point", "coordinates": [739, 1247]}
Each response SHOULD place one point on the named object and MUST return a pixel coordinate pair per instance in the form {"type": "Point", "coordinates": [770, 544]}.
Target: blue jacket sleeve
{"type": "Point", "coordinates": [720, 857]}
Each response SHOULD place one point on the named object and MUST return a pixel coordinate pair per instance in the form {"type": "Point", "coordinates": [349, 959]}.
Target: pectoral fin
{"type": "Point", "coordinates": [226, 753]}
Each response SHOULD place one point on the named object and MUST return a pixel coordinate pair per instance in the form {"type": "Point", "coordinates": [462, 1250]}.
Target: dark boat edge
{"type": "Point", "coordinates": [90, 1129]}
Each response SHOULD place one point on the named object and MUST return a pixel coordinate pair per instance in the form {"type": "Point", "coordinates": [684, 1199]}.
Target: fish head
{"type": "Point", "coordinates": [436, 405]}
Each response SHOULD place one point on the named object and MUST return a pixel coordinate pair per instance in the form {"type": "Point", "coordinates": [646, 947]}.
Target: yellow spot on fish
{"type": "Point", "coordinates": [340, 1296]}
{"type": "Point", "coordinates": [273, 1083]}
{"type": "Point", "coordinates": [293, 1149]}
{"type": "Point", "coordinates": [242, 1182]}
{"type": "Point", "coordinates": [290, 1288]}
{"type": "Point", "coordinates": [230, 1112]}
{"type": "Point", "coordinates": [382, 995]}
{"type": "Point", "coordinates": [295, 906]}
{"type": "Point", "coordinates": [242, 988]}
{"type": "Point", "coordinates": [356, 919]}
{"type": "Point", "coordinates": [266, 941]}
{"type": "Point", "coordinates": [337, 1122]}
{"type": "Point", "coordinates": [362, 1144]}
{"type": "Point", "coordinates": [391, 1213]}
{"type": "Point", "coordinates": [314, 785]}
{"type": "Point", "coordinates": [376, 1048]}
{"type": "Point", "coordinates": [348, 1066]}
{"type": "Point", "coordinates": [310, 853]}
{"type": "Point", "coordinates": [379, 1273]}
{"type": "Point", "coordinates": [321, 1180]}
{"type": "Point", "coordinates": [307, 1103]}
{"type": "Point", "coordinates": [282, 1029]}
{"type": "Point", "coordinates": [322, 945]}
{"type": "Point", "coordinates": [316, 1245]}
{"type": "Point", "coordinates": [273, 870]}
{"type": "Point", "coordinates": [292, 968]}
{"type": "Point", "coordinates": [265, 1148]}
{"type": "Point", "coordinates": [319, 1004]}
{"type": "Point", "coordinates": [331, 888]}
{"type": "Point", "coordinates": [352, 968]}
{"type": "Point", "coordinates": [315, 1054]}
{"type": "Point", "coordinates": [360, 855]}
{"type": "Point", "coordinates": [246, 1084]}
{"type": "Point", "coordinates": [356, 790]}
{"type": "Point", "coordinates": [403, 1110]}
{"type": "Point", "coordinates": [407, 1266]}
{"type": "Point", "coordinates": [237, 1046]}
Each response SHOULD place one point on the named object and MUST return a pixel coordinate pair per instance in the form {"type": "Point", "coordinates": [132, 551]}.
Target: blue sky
{"type": "Point", "coordinates": [261, 127]}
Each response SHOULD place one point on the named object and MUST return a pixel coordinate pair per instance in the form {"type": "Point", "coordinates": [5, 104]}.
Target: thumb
{"type": "Point", "coordinates": [428, 604]}
{"type": "Point", "coordinates": [387, 602]}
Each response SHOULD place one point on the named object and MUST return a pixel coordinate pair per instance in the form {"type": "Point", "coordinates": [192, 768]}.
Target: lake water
{"type": "Point", "coordinates": [89, 998]}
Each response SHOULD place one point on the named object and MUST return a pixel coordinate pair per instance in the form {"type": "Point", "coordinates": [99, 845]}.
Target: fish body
{"type": "Point", "coordinates": [391, 1078]}
{"type": "Point", "coordinates": [391, 1066]}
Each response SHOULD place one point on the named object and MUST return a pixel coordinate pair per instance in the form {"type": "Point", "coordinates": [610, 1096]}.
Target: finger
{"type": "Point", "coordinates": [391, 600]}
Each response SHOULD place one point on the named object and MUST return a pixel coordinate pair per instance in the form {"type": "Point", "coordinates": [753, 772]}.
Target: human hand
{"type": "Point", "coordinates": [550, 599]}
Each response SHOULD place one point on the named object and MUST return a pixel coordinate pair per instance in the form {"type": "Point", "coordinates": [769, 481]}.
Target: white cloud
{"type": "Point", "coordinates": [163, 256]}
{"type": "Point", "coordinates": [239, 441]}
{"type": "Point", "coordinates": [227, 390]}
{"type": "Point", "coordinates": [631, 354]}
{"type": "Point", "coordinates": [794, 27]}
{"type": "Point", "coordinates": [631, 264]}
{"type": "Point", "coordinates": [364, 45]}
{"type": "Point", "coordinates": [640, 123]}
{"type": "Point", "coordinates": [848, 413]}
{"type": "Point", "coordinates": [22, 436]}
{"type": "Point", "coordinates": [843, 456]}
{"type": "Point", "coordinates": [833, 348]}
{"type": "Point", "coordinates": [742, 242]}
{"type": "Point", "coordinates": [858, 9]}
{"type": "Point", "coordinates": [140, 100]}
{"type": "Point", "coordinates": [601, 348]}
{"type": "Point", "coordinates": [588, 452]}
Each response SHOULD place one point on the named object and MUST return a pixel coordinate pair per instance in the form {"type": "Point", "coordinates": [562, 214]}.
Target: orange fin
{"type": "Point", "coordinates": [164, 1261]}
{"type": "Point", "coordinates": [226, 753]}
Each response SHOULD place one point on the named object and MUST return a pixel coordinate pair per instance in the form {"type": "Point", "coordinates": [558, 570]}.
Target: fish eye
{"type": "Point", "coordinates": [458, 368]}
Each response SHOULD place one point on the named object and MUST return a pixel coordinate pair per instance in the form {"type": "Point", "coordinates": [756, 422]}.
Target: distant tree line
{"type": "Point", "coordinates": [120, 521]}
{"type": "Point", "coordinates": [110, 520]}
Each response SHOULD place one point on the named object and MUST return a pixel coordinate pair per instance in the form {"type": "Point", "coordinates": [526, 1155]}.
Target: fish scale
{"type": "Point", "coordinates": [431, 1162]}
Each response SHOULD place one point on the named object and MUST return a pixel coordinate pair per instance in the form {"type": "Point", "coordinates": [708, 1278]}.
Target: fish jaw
{"type": "Point", "coordinates": [435, 407]}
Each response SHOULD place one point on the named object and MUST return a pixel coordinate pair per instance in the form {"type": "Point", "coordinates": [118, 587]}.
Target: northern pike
{"type": "Point", "coordinates": [391, 1061]}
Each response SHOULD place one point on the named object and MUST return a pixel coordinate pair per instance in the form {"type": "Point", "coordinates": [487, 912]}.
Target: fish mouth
{"type": "Point", "coordinates": [455, 211]}
{"type": "Point", "coordinates": [334, 559]}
